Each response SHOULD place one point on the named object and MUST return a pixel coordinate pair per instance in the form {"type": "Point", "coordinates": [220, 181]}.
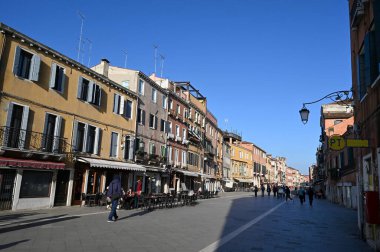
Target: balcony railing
{"type": "Point", "coordinates": [25, 140]}
{"type": "Point", "coordinates": [357, 11]}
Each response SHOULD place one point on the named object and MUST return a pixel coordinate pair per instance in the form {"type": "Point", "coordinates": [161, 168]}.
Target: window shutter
{"type": "Point", "coordinates": [131, 148]}
{"type": "Point", "coordinates": [9, 115]}
{"type": "Point", "coordinates": [24, 125]}
{"type": "Point", "coordinates": [62, 81]}
{"type": "Point", "coordinates": [100, 96]}
{"type": "Point", "coordinates": [35, 67]}
{"type": "Point", "coordinates": [114, 144]}
{"type": "Point", "coordinates": [90, 92]}
{"type": "Point", "coordinates": [128, 110]}
{"type": "Point", "coordinates": [45, 130]}
{"type": "Point", "coordinates": [97, 141]}
{"type": "Point", "coordinates": [368, 60]}
{"type": "Point", "coordinates": [53, 72]}
{"type": "Point", "coordinates": [143, 117]}
{"type": "Point", "coordinates": [374, 67]}
{"type": "Point", "coordinates": [116, 100]}
{"type": "Point", "coordinates": [85, 138]}
{"type": "Point", "coordinates": [121, 110]}
{"type": "Point", "coordinates": [167, 127]}
{"type": "Point", "coordinates": [155, 122]}
{"type": "Point", "coordinates": [80, 83]}
{"type": "Point", "coordinates": [75, 132]}
{"type": "Point", "coordinates": [16, 63]}
{"type": "Point", "coordinates": [57, 134]}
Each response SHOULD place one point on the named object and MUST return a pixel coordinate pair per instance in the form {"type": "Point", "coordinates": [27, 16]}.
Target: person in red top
{"type": "Point", "coordinates": [139, 187]}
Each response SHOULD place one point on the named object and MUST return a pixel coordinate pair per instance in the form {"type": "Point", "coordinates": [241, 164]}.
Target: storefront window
{"type": "Point", "coordinates": [35, 184]}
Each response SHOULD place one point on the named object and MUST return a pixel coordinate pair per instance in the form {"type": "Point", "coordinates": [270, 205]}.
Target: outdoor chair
{"type": "Point", "coordinates": [91, 200]}
{"type": "Point", "coordinates": [141, 202]}
{"type": "Point", "coordinates": [102, 200]}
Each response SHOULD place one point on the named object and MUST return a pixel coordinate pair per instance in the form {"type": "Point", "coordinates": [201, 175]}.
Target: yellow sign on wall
{"type": "Point", "coordinates": [357, 143]}
{"type": "Point", "coordinates": [337, 143]}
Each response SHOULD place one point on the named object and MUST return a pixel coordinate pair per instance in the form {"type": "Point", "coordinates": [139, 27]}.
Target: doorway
{"type": "Point", "coordinates": [7, 181]}
{"type": "Point", "coordinates": [61, 189]}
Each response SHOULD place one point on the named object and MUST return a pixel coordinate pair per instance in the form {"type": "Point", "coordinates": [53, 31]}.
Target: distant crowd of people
{"type": "Point", "coordinates": [284, 192]}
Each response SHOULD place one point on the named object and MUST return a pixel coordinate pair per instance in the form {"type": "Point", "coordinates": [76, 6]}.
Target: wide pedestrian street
{"type": "Point", "coordinates": [235, 221]}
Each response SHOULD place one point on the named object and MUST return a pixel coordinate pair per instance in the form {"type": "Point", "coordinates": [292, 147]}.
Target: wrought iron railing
{"type": "Point", "coordinates": [356, 12]}
{"type": "Point", "coordinates": [15, 138]}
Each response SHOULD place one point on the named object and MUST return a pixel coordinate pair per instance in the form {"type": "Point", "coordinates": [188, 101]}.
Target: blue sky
{"type": "Point", "coordinates": [256, 61]}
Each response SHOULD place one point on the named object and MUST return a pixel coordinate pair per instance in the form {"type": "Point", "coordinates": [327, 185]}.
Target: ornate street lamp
{"type": "Point", "coordinates": [304, 112]}
{"type": "Point", "coordinates": [338, 96]}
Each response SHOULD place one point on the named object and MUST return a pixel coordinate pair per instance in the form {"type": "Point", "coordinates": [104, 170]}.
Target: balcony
{"type": "Point", "coordinates": [179, 117]}
{"type": "Point", "coordinates": [32, 143]}
{"type": "Point", "coordinates": [178, 139]}
{"type": "Point", "coordinates": [154, 159]}
{"type": "Point", "coordinates": [170, 136]}
{"type": "Point", "coordinates": [141, 156]}
{"type": "Point", "coordinates": [356, 13]}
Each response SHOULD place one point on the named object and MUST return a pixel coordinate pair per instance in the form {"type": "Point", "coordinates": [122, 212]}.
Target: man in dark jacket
{"type": "Point", "coordinates": [114, 192]}
{"type": "Point", "coordinates": [310, 192]}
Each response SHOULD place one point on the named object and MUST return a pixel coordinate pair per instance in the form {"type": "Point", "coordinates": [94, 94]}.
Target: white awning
{"type": "Point", "coordinates": [101, 163]}
{"type": "Point", "coordinates": [207, 176]}
{"type": "Point", "coordinates": [244, 180]}
{"type": "Point", "coordinates": [154, 168]}
{"type": "Point", "coordinates": [187, 173]}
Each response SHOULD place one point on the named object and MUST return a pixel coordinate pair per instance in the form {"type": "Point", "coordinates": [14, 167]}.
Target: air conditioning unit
{"type": "Point", "coordinates": [185, 141]}
{"type": "Point", "coordinates": [170, 136]}
{"type": "Point", "coordinates": [178, 138]}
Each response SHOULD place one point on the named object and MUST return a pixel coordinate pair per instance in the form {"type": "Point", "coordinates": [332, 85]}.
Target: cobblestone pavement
{"type": "Point", "coordinates": [236, 221]}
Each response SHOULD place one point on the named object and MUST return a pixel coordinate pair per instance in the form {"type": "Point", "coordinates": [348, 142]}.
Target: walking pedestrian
{"type": "Point", "coordinates": [281, 192]}
{"type": "Point", "coordinates": [268, 190]}
{"type": "Point", "coordinates": [114, 192]}
{"type": "Point", "coordinates": [256, 190]}
{"type": "Point", "coordinates": [310, 193]}
{"type": "Point", "coordinates": [287, 194]}
{"type": "Point", "coordinates": [262, 190]}
{"type": "Point", "coordinates": [275, 191]}
{"type": "Point", "coordinates": [301, 195]}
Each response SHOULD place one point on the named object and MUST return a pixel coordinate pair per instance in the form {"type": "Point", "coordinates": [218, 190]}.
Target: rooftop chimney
{"type": "Point", "coordinates": [104, 66]}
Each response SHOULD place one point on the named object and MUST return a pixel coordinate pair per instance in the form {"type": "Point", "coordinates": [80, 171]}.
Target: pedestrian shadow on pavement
{"type": "Point", "coordinates": [14, 216]}
{"type": "Point", "coordinates": [37, 222]}
{"type": "Point", "coordinates": [28, 221]}
{"type": "Point", "coordinates": [11, 244]}
{"type": "Point", "coordinates": [139, 213]}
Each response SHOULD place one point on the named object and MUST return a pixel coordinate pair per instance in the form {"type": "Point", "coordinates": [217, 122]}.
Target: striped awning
{"type": "Point", "coordinates": [29, 163]}
{"type": "Point", "coordinates": [187, 173]}
{"type": "Point", "coordinates": [102, 163]}
{"type": "Point", "coordinates": [244, 180]}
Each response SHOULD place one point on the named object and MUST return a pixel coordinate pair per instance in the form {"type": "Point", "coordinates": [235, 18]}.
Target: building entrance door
{"type": "Point", "coordinates": [62, 188]}
{"type": "Point", "coordinates": [7, 181]}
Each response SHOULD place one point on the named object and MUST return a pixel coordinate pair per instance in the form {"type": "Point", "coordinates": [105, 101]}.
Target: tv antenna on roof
{"type": "Point", "coordinates": [162, 63]}
{"type": "Point", "coordinates": [226, 122]}
{"type": "Point", "coordinates": [126, 58]}
{"type": "Point", "coordinates": [81, 33]}
{"type": "Point", "coordinates": [155, 58]}
{"type": "Point", "coordinates": [89, 51]}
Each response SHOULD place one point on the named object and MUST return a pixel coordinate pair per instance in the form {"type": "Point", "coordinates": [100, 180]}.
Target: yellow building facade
{"type": "Point", "coordinates": [61, 123]}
